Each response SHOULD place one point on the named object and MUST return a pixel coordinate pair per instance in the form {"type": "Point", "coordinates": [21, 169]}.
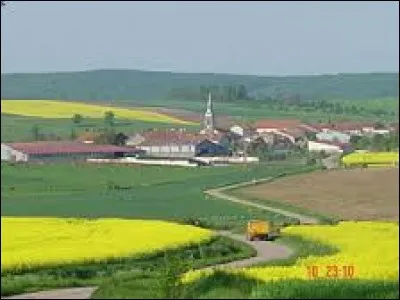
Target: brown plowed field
{"type": "Point", "coordinates": [356, 194]}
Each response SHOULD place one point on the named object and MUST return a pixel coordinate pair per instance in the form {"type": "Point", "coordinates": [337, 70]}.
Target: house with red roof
{"type": "Point", "coordinates": [290, 130]}
{"type": "Point", "coordinates": [350, 128]}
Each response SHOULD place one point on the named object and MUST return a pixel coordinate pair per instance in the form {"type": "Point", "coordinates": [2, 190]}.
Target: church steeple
{"type": "Point", "coordinates": [209, 116]}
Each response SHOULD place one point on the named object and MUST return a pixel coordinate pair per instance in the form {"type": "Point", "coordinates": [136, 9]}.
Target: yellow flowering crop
{"type": "Point", "coordinates": [371, 248]}
{"type": "Point", "coordinates": [64, 110]}
{"type": "Point", "coordinates": [371, 158]}
{"type": "Point", "coordinates": [47, 241]}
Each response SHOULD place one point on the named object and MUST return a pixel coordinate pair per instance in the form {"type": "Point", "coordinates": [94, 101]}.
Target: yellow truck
{"type": "Point", "coordinates": [261, 230]}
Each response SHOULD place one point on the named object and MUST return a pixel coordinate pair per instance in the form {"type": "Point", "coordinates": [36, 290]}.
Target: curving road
{"type": "Point", "coordinates": [266, 250]}
{"type": "Point", "coordinates": [218, 193]}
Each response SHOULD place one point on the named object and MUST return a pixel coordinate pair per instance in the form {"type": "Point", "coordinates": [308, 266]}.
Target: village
{"type": "Point", "coordinates": [217, 143]}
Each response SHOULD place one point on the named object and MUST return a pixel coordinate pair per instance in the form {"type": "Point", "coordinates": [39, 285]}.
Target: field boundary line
{"type": "Point", "coordinates": [218, 193]}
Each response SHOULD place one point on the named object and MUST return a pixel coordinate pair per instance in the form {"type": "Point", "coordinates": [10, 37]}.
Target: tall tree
{"type": "Point", "coordinates": [109, 118]}
{"type": "Point", "coordinates": [77, 118]}
{"type": "Point", "coordinates": [35, 132]}
{"type": "Point", "coordinates": [120, 139]}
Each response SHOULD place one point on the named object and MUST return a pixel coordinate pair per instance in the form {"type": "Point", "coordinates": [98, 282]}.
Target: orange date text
{"type": "Point", "coordinates": [331, 271]}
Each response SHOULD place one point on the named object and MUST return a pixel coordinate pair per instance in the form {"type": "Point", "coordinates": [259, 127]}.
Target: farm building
{"type": "Point", "coordinates": [332, 136]}
{"type": "Point", "coordinates": [211, 148]}
{"type": "Point", "coordinates": [291, 131]}
{"type": "Point", "coordinates": [135, 140]}
{"type": "Point", "coordinates": [351, 128]}
{"type": "Point", "coordinates": [327, 147]}
{"type": "Point", "coordinates": [53, 151]}
{"type": "Point", "coordinates": [166, 143]}
{"type": "Point", "coordinates": [172, 143]}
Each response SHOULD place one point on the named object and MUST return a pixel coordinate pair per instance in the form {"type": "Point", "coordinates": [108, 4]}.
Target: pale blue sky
{"type": "Point", "coordinates": [266, 38]}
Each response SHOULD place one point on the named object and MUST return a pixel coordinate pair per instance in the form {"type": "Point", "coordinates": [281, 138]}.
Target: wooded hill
{"type": "Point", "coordinates": [149, 85]}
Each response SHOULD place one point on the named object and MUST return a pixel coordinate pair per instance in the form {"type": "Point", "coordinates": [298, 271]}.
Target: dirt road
{"type": "Point", "coordinates": [265, 251]}
{"type": "Point", "coordinates": [71, 293]}
{"type": "Point", "coordinates": [218, 193]}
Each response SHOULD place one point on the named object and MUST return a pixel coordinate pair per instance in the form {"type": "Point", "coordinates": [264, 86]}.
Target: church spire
{"type": "Point", "coordinates": [209, 116]}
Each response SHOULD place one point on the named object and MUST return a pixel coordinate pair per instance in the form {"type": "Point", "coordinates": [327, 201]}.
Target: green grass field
{"type": "Point", "coordinates": [253, 110]}
{"type": "Point", "coordinates": [142, 192]}
{"type": "Point", "coordinates": [19, 128]}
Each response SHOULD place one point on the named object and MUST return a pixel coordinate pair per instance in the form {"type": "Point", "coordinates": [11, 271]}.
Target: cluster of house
{"type": "Point", "coordinates": [212, 140]}
{"type": "Point", "coordinates": [279, 134]}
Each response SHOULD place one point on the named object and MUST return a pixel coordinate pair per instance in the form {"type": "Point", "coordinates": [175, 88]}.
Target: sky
{"type": "Point", "coordinates": [259, 38]}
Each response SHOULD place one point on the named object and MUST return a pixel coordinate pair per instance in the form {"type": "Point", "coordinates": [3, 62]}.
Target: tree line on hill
{"type": "Point", "coordinates": [283, 101]}
{"type": "Point", "coordinates": [144, 86]}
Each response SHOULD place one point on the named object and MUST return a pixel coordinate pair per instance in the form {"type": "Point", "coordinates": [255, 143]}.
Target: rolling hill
{"type": "Point", "coordinates": [149, 85]}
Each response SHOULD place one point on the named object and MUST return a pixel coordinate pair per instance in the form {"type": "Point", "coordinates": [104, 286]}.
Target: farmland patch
{"type": "Point", "coordinates": [353, 194]}
{"type": "Point", "coordinates": [65, 110]}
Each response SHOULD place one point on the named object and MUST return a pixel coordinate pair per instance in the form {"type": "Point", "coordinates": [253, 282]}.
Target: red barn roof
{"type": "Point", "coordinates": [67, 147]}
{"type": "Point", "coordinates": [343, 126]}
{"type": "Point", "coordinates": [277, 124]}
{"type": "Point", "coordinates": [165, 137]}
{"type": "Point", "coordinates": [175, 137]}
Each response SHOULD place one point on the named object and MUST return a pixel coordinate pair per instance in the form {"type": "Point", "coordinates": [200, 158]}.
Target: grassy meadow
{"type": "Point", "coordinates": [16, 128]}
{"type": "Point", "coordinates": [129, 191]}
{"type": "Point", "coordinates": [254, 110]}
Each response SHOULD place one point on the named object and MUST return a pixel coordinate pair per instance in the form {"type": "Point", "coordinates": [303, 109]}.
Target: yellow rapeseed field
{"type": "Point", "coordinates": [64, 110]}
{"type": "Point", "coordinates": [377, 158]}
{"type": "Point", "coordinates": [370, 248]}
{"type": "Point", "coordinates": [27, 242]}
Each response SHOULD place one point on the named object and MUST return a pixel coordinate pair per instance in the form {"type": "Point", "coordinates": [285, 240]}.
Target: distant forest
{"type": "Point", "coordinates": [148, 85]}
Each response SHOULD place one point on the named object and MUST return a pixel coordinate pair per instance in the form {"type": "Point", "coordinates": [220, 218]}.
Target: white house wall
{"type": "Point", "coordinates": [333, 135]}
{"type": "Point", "coordinates": [237, 130]}
{"type": "Point", "coordinates": [10, 154]}
{"type": "Point", "coordinates": [319, 147]}
{"type": "Point", "coordinates": [170, 150]}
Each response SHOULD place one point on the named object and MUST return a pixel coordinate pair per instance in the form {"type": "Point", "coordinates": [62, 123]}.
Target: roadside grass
{"type": "Point", "coordinates": [218, 250]}
{"type": "Point", "coordinates": [301, 248]}
{"type": "Point", "coordinates": [219, 285]}
{"type": "Point", "coordinates": [227, 286]}
{"type": "Point", "coordinates": [327, 289]}
{"type": "Point", "coordinates": [223, 285]}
